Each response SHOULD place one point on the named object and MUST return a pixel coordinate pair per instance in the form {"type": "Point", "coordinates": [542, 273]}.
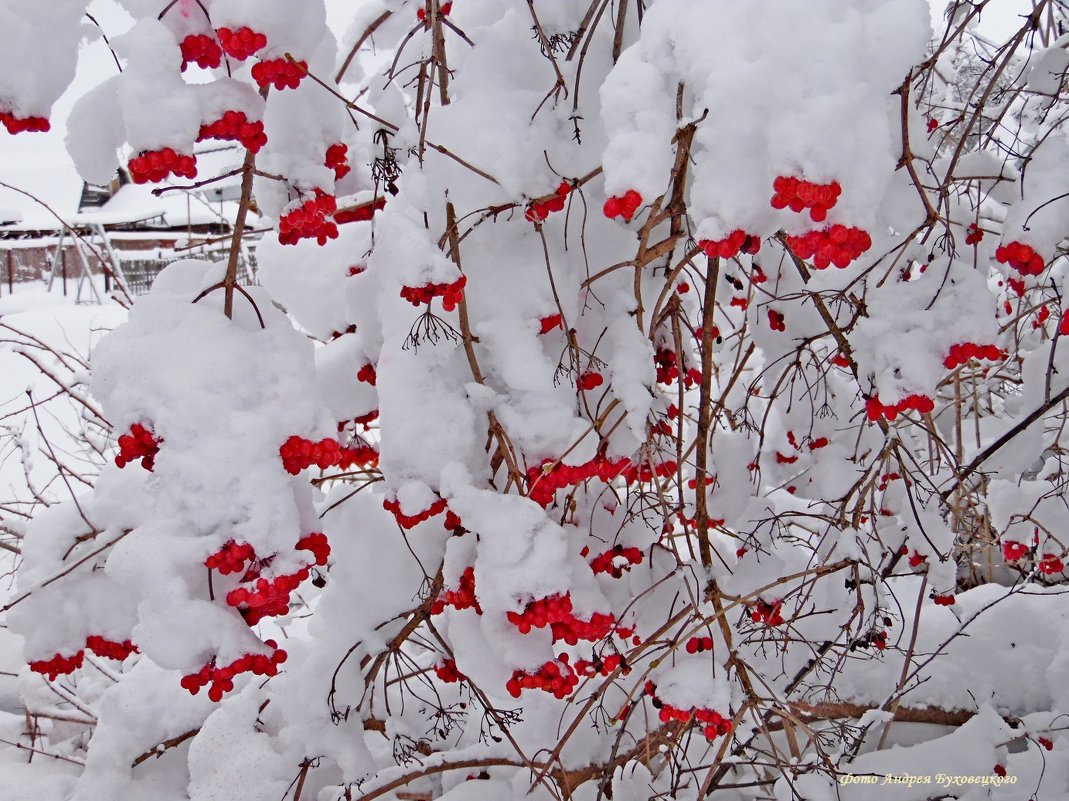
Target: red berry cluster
{"type": "Point", "coordinates": [973, 234]}
{"type": "Point", "coordinates": [451, 294]}
{"type": "Point", "coordinates": [799, 195]}
{"type": "Point", "coordinates": [836, 245]}
{"type": "Point", "coordinates": [155, 165]}
{"type": "Point", "coordinates": [961, 353]}
{"type": "Point", "coordinates": [231, 558]}
{"type": "Point", "coordinates": [600, 666]}
{"type": "Point", "coordinates": [616, 561]}
{"type": "Point", "coordinates": [241, 43]}
{"type": "Point", "coordinates": [768, 613]}
{"type": "Point", "coordinates": [1014, 551]}
{"type": "Point", "coordinates": [110, 649]}
{"type": "Point", "coordinates": [589, 380]}
{"type": "Point", "coordinates": [1021, 257]}
{"type": "Point", "coordinates": [61, 665]}
{"type": "Point", "coordinates": [410, 521]}
{"type": "Point", "coordinates": [447, 672]}
{"type": "Point", "coordinates": [316, 542]}
{"type": "Point", "coordinates": [141, 444]}
{"type": "Point", "coordinates": [58, 665]}
{"type": "Point", "coordinates": [667, 363]}
{"type": "Point", "coordinates": [17, 125]}
{"type": "Point", "coordinates": [444, 8]}
{"type": "Point", "coordinates": [1050, 564]}
{"type": "Point", "coordinates": [1063, 324]}
{"type": "Point", "coordinates": [738, 241]}
{"type": "Point", "coordinates": [550, 322]}
{"type": "Point", "coordinates": [943, 600]}
{"type": "Point", "coordinates": [279, 72]}
{"type": "Point", "coordinates": [202, 50]}
{"type": "Point", "coordinates": [544, 481]}
{"type": "Point", "coordinates": [299, 454]}
{"type": "Point", "coordinates": [876, 409]}
{"type": "Point", "coordinates": [643, 473]}
{"type": "Point", "coordinates": [776, 320]}
{"type": "Point", "coordinates": [337, 160]}
{"type": "Point", "coordinates": [265, 597]}
{"type": "Point", "coordinates": [916, 559]}
{"type": "Point", "coordinates": [367, 374]}
{"type": "Point", "coordinates": [234, 126]}
{"type": "Point", "coordinates": [540, 209]}
{"type": "Point", "coordinates": [221, 679]}
{"type": "Point", "coordinates": [361, 213]}
{"type": "Point", "coordinates": [696, 645]}
{"type": "Point", "coordinates": [624, 205]}
{"type": "Point", "coordinates": [463, 597]}
{"type": "Point", "coordinates": [714, 724]}
{"type": "Point", "coordinates": [555, 677]}
{"type": "Point", "coordinates": [555, 611]}
{"type": "Point", "coordinates": [311, 220]}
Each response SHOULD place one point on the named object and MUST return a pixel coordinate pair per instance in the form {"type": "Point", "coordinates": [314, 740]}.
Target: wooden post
{"type": "Point", "coordinates": [63, 261]}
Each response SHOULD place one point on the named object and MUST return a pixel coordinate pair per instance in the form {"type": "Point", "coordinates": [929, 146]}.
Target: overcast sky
{"type": "Point", "coordinates": [39, 162]}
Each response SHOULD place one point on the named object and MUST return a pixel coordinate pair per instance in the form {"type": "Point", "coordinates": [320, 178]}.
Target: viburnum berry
{"type": "Point", "coordinates": [1050, 564]}
{"type": "Point", "coordinates": [447, 672]}
{"type": "Point", "coordinates": [367, 374]}
{"type": "Point", "coordinates": [714, 724]}
{"type": "Point", "coordinates": [310, 219]}
{"type": "Point", "coordinates": [738, 241]}
{"type": "Point", "coordinates": [231, 558]}
{"type": "Point", "coordinates": [697, 645]}
{"type": "Point", "coordinates": [202, 50]}
{"type": "Point", "coordinates": [875, 409]}
{"type": "Point", "coordinates": [933, 123]}
{"type": "Point", "coordinates": [234, 126]}
{"type": "Point", "coordinates": [973, 234]}
{"type": "Point", "coordinates": [58, 665]}
{"type": "Point", "coordinates": [451, 294]}
{"type": "Point", "coordinates": [299, 454]}
{"type": "Point", "coordinates": [667, 364]}
{"type": "Point", "coordinates": [799, 195]}
{"type": "Point", "coordinates": [776, 320]}
{"type": "Point", "coordinates": [1021, 257]}
{"type": "Point", "coordinates": [555, 677]}
{"type": "Point", "coordinates": [109, 649]}
{"type": "Point", "coordinates": [961, 353]}
{"type": "Point", "coordinates": [917, 558]}
{"type": "Point", "coordinates": [545, 479]}
{"type": "Point", "coordinates": [589, 380]}
{"type": "Point", "coordinates": [242, 42]}
{"type": "Point", "coordinates": [601, 665]}
{"type": "Point", "coordinates": [444, 8]}
{"type": "Point", "coordinates": [221, 679]}
{"type": "Point", "coordinates": [281, 73]}
{"type": "Point", "coordinates": [337, 160]}
{"type": "Point", "coordinates": [836, 245]}
{"type": "Point", "coordinates": [361, 213]}
{"type": "Point", "coordinates": [1046, 743]}
{"type": "Point", "coordinates": [624, 205]}
{"type": "Point", "coordinates": [644, 474]}
{"type": "Point", "coordinates": [541, 612]}
{"type": "Point", "coordinates": [999, 770]}
{"type": "Point", "coordinates": [139, 443]}
{"type": "Point", "coordinates": [463, 597]}
{"type": "Point", "coordinates": [17, 125]}
{"type": "Point", "coordinates": [616, 560]}
{"type": "Point", "coordinates": [943, 600]}
{"type": "Point", "coordinates": [263, 597]}
{"type": "Point", "coordinates": [1063, 324]}
{"type": "Point", "coordinates": [538, 210]}
{"type": "Point", "coordinates": [151, 166]}
{"type": "Point", "coordinates": [768, 613]}
{"type": "Point", "coordinates": [410, 521]}
{"type": "Point", "coordinates": [316, 542]}
{"type": "Point", "coordinates": [549, 322]}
